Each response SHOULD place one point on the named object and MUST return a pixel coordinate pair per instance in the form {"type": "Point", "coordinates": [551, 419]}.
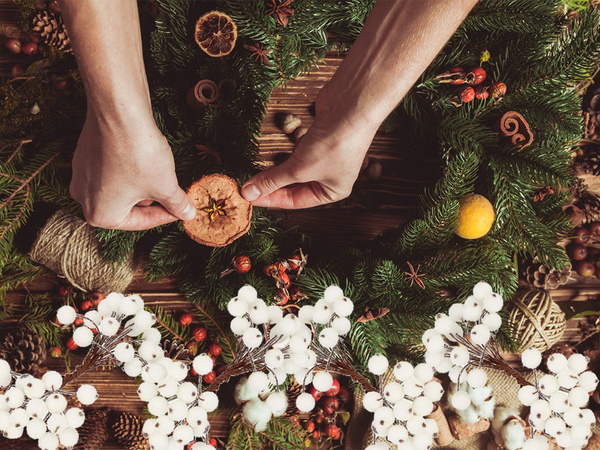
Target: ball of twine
{"type": "Point", "coordinates": [68, 246]}
{"type": "Point", "coordinates": [538, 321]}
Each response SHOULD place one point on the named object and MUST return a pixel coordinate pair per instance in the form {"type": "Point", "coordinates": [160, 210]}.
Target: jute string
{"type": "Point", "coordinates": [68, 246]}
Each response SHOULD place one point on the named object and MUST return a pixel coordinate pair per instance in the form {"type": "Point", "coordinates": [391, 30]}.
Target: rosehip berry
{"type": "Point", "coordinates": [213, 442]}
{"type": "Point", "coordinates": [482, 92]}
{"type": "Point", "coordinates": [64, 290]}
{"type": "Point", "coordinates": [96, 298]}
{"type": "Point", "coordinates": [330, 405]}
{"type": "Point", "coordinates": [316, 434]}
{"type": "Point", "coordinates": [476, 76]}
{"type": "Point", "coordinates": [310, 426]}
{"type": "Point", "coordinates": [332, 430]}
{"type": "Point", "coordinates": [192, 347]}
{"type": "Point", "coordinates": [209, 377]}
{"type": "Point", "coordinates": [467, 94]}
{"type": "Point", "coordinates": [294, 261]}
{"type": "Point", "coordinates": [185, 319]}
{"type": "Point", "coordinates": [30, 48]}
{"type": "Point", "coordinates": [55, 352]}
{"type": "Point", "coordinates": [281, 297]}
{"type": "Point", "coordinates": [498, 90]}
{"type": "Point", "coordinates": [316, 394]}
{"type": "Point", "coordinates": [242, 264]}
{"type": "Point", "coordinates": [334, 389]}
{"type": "Point", "coordinates": [270, 270]}
{"type": "Point", "coordinates": [78, 321]}
{"type": "Point", "coordinates": [460, 75]}
{"type": "Point", "coordinates": [71, 345]}
{"type": "Point", "coordinates": [199, 334]}
{"type": "Point", "coordinates": [86, 305]}
{"type": "Point", "coordinates": [13, 45]}
{"type": "Point", "coordinates": [283, 277]}
{"type": "Point", "coordinates": [215, 349]}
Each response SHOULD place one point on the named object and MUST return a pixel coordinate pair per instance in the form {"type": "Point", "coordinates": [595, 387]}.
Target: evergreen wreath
{"type": "Point", "coordinates": [539, 53]}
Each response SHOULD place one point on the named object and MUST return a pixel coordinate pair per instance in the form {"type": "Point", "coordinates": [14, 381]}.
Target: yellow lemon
{"type": "Point", "coordinates": [475, 218]}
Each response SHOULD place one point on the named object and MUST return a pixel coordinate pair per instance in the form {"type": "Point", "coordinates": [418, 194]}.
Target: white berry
{"type": "Point", "coordinates": [66, 314]}
{"type": "Point", "coordinates": [578, 363]}
{"type": "Point", "coordinates": [252, 337]}
{"type": "Point", "coordinates": [477, 378]}
{"type": "Point", "coordinates": [305, 402]}
{"type": "Point", "coordinates": [202, 364]}
{"type": "Point", "coordinates": [87, 394]}
{"type": "Point", "coordinates": [461, 400]}
{"type": "Point", "coordinates": [482, 289]}
{"type": "Point", "coordinates": [372, 401]}
{"type": "Point", "coordinates": [378, 364]}
{"type": "Point", "coordinates": [322, 381]}
{"type": "Point", "coordinates": [531, 358]}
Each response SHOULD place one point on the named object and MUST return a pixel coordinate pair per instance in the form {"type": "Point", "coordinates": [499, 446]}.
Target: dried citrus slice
{"type": "Point", "coordinates": [223, 214]}
{"type": "Point", "coordinates": [216, 33]}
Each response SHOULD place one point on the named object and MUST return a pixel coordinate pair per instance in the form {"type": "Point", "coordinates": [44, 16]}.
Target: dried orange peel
{"type": "Point", "coordinates": [216, 33]}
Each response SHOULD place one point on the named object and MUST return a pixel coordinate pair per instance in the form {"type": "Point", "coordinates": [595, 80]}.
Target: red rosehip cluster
{"type": "Point", "coordinates": [584, 249]}
{"type": "Point", "coordinates": [198, 335]}
{"type": "Point", "coordinates": [284, 272]}
{"type": "Point", "coordinates": [329, 419]}
{"type": "Point", "coordinates": [475, 88]}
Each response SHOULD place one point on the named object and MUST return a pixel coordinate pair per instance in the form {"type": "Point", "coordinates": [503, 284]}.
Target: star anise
{"type": "Point", "coordinates": [209, 153]}
{"type": "Point", "coordinates": [215, 209]}
{"type": "Point", "coordinates": [258, 53]}
{"type": "Point", "coordinates": [414, 276]}
{"type": "Point", "coordinates": [282, 10]}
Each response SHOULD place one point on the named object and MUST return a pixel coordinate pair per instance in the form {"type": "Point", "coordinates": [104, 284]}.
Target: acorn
{"type": "Point", "coordinates": [290, 123]}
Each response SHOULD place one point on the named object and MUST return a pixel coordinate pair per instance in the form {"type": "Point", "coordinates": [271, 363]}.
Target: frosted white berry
{"type": "Point", "coordinates": [34, 388]}
{"type": "Point", "coordinates": [444, 365]}
{"type": "Point", "coordinates": [178, 370]}
{"type": "Point", "coordinates": [152, 335]}
{"type": "Point", "coordinates": [68, 437]}
{"type": "Point", "coordinates": [177, 410]}
{"type": "Point", "coordinates": [158, 441]}
{"type": "Point", "coordinates": [305, 315]}
{"type": "Point", "coordinates": [197, 416]}
{"type": "Point", "coordinates": [423, 372]}
{"type": "Point", "coordinates": [555, 426]}
{"type": "Point", "coordinates": [144, 320]}
{"type": "Point", "coordinates": [56, 403]}
{"type": "Point", "coordinates": [403, 370]}
{"type": "Point", "coordinates": [416, 425]}
{"type": "Point", "coordinates": [187, 392]}
{"type": "Point", "coordinates": [461, 400]}
{"type": "Point", "coordinates": [258, 381]}
{"type": "Point", "coordinates": [277, 403]}
{"type": "Point", "coordinates": [49, 441]}
{"type": "Point", "coordinates": [19, 417]}
{"type": "Point", "coordinates": [455, 312]}
{"type": "Point", "coordinates": [239, 325]}
{"type": "Point", "coordinates": [131, 305]}
{"type": "Point", "coordinates": [459, 356]}
{"type": "Point", "coordinates": [109, 326]}
{"type": "Point", "coordinates": [322, 381]}
{"type": "Point", "coordinates": [378, 364]}
{"type": "Point", "coordinates": [383, 417]}
{"type": "Point", "coordinates": [493, 303]}
{"type": "Point", "coordinates": [56, 422]}
{"type": "Point", "coordinates": [527, 395]}
{"type": "Point", "coordinates": [477, 378]}
{"type": "Point", "coordinates": [133, 368]}
{"type": "Point", "coordinates": [403, 410]}
{"type": "Point", "coordinates": [548, 385]}
{"type": "Point", "coordinates": [124, 352]}
{"type": "Point", "coordinates": [36, 408]}
{"type": "Point", "coordinates": [433, 340]}
{"type": "Point", "coordinates": [258, 312]}
{"type": "Point", "coordinates": [252, 337]}
{"type": "Point", "coordinates": [150, 352]}
{"type": "Point", "coordinates": [87, 394]}
{"type": "Point", "coordinates": [588, 381]}
{"type": "Point", "coordinates": [397, 434]}
{"type": "Point", "coordinates": [557, 362]}
{"type": "Point", "coordinates": [333, 293]}
{"type": "Point", "coordinates": [493, 321]}
{"type": "Point", "coordinates": [343, 307]}
{"type": "Point", "coordinates": [75, 417]}
{"type": "Point", "coordinates": [413, 387]}
{"type": "Point", "coordinates": [154, 372]}
{"type": "Point", "coordinates": [578, 397]}
{"type": "Point", "coordinates": [473, 308]}
{"type": "Point", "coordinates": [247, 293]}
{"type": "Point", "coordinates": [573, 416]}
{"type": "Point", "coordinates": [531, 358]}
{"type": "Point", "coordinates": [559, 402]}
{"type": "Point", "coordinates": [480, 334]}
{"type": "Point", "coordinates": [147, 390]}
{"type": "Point", "coordinates": [274, 313]}
{"type": "Point", "coordinates": [36, 428]}
{"type": "Point", "coordinates": [322, 312]}
{"type": "Point", "coordinates": [456, 374]}
{"type": "Point", "coordinates": [83, 336]}
{"type": "Point", "coordinates": [422, 406]}
{"type": "Point", "coordinates": [209, 401]}
{"type": "Point", "coordinates": [482, 289]}
{"type": "Point", "coordinates": [433, 391]}
{"type": "Point", "coordinates": [540, 410]}
{"type": "Point", "coordinates": [274, 358]}
{"type": "Point", "coordinates": [567, 378]}
{"type": "Point", "coordinates": [372, 401]}
{"type": "Point", "coordinates": [538, 442]}
{"type": "Point", "coordinates": [328, 338]}
{"type": "Point", "coordinates": [393, 392]}
{"type": "Point", "coordinates": [158, 406]}
{"type": "Point", "coordinates": [202, 364]}
{"type": "Point", "coordinates": [183, 434]}
{"type": "Point", "coordinates": [578, 362]}
{"type": "Point", "coordinates": [305, 402]}
{"type": "Point", "coordinates": [237, 307]}
{"type": "Point", "coordinates": [66, 314]}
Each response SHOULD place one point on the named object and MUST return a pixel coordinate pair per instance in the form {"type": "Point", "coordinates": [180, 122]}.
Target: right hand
{"type": "Point", "coordinates": [120, 169]}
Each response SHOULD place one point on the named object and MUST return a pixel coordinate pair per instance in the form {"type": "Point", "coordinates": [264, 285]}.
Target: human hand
{"type": "Point", "coordinates": [120, 170]}
{"type": "Point", "coordinates": [323, 167]}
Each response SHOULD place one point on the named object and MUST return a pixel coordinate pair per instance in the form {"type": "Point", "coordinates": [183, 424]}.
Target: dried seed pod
{"type": "Point", "coordinates": [290, 123]}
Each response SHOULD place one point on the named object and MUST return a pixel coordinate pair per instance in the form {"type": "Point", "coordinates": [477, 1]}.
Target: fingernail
{"type": "Point", "coordinates": [189, 212]}
{"type": "Point", "coordinates": [250, 192]}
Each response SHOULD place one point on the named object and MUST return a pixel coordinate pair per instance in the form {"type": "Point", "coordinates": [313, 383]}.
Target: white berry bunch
{"type": "Point", "coordinates": [558, 400]}
{"type": "Point", "coordinates": [400, 408]}
{"type": "Point", "coordinates": [298, 345]}
{"type": "Point", "coordinates": [259, 407]}
{"type": "Point", "coordinates": [38, 408]}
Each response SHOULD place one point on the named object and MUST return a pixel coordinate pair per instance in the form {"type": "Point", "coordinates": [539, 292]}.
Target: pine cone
{"type": "Point", "coordinates": [294, 390]}
{"type": "Point", "coordinates": [24, 350]}
{"type": "Point", "coordinates": [127, 428]}
{"type": "Point", "coordinates": [94, 431]}
{"type": "Point", "coordinates": [175, 350]}
{"type": "Point", "coordinates": [51, 28]}
{"type": "Point", "coordinates": [542, 277]}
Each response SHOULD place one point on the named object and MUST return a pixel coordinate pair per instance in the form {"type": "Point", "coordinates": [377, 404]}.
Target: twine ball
{"type": "Point", "coordinates": [68, 246]}
{"type": "Point", "coordinates": [538, 321]}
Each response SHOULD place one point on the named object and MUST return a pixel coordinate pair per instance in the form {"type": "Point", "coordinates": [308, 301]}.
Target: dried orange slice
{"type": "Point", "coordinates": [223, 214]}
{"type": "Point", "coordinates": [216, 33]}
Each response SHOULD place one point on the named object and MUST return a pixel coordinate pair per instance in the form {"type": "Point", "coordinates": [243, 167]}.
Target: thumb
{"type": "Point", "coordinates": [179, 205]}
{"type": "Point", "coordinates": [269, 181]}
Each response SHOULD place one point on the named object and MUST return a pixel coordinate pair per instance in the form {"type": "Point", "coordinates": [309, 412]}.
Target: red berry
{"type": "Point", "coordinates": [283, 277]}
{"type": "Point", "coordinates": [319, 417]}
{"type": "Point", "coordinates": [294, 261]}
{"type": "Point", "coordinates": [209, 377]}
{"type": "Point", "coordinates": [55, 352]}
{"type": "Point", "coordinates": [64, 290]}
{"type": "Point", "coordinates": [585, 268]}
{"type": "Point", "coordinates": [476, 76]}
{"type": "Point", "coordinates": [334, 389]}
{"type": "Point", "coordinates": [78, 321]}
{"type": "Point", "coordinates": [344, 394]}
{"type": "Point", "coordinates": [193, 372]}
{"type": "Point", "coordinates": [212, 442]}
{"type": "Point", "coordinates": [580, 235]}
{"type": "Point", "coordinates": [242, 264]}
{"type": "Point", "coordinates": [578, 252]}
{"type": "Point", "coordinates": [215, 349]}
{"type": "Point", "coordinates": [316, 394]}
{"type": "Point", "coordinates": [482, 92]}
{"type": "Point", "coordinates": [199, 334]}
{"type": "Point", "coordinates": [96, 298]}
{"type": "Point", "coordinates": [60, 83]}
{"type": "Point", "coordinates": [192, 347]}
{"type": "Point", "coordinates": [467, 94]}
{"type": "Point", "coordinates": [13, 45]}
{"type": "Point", "coordinates": [213, 358]}
{"type": "Point", "coordinates": [281, 297]}
{"type": "Point", "coordinates": [71, 344]}
{"type": "Point", "coordinates": [330, 405]}
{"type": "Point", "coordinates": [185, 319]}
{"type": "Point", "coordinates": [498, 90]}
{"type": "Point", "coordinates": [30, 48]}
{"type": "Point", "coordinates": [594, 228]}
{"type": "Point", "coordinates": [460, 79]}
{"type": "Point", "coordinates": [310, 426]}
{"type": "Point", "coordinates": [332, 430]}
{"type": "Point", "coordinates": [316, 434]}
{"type": "Point", "coordinates": [270, 270]}
{"type": "Point", "coordinates": [86, 305]}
